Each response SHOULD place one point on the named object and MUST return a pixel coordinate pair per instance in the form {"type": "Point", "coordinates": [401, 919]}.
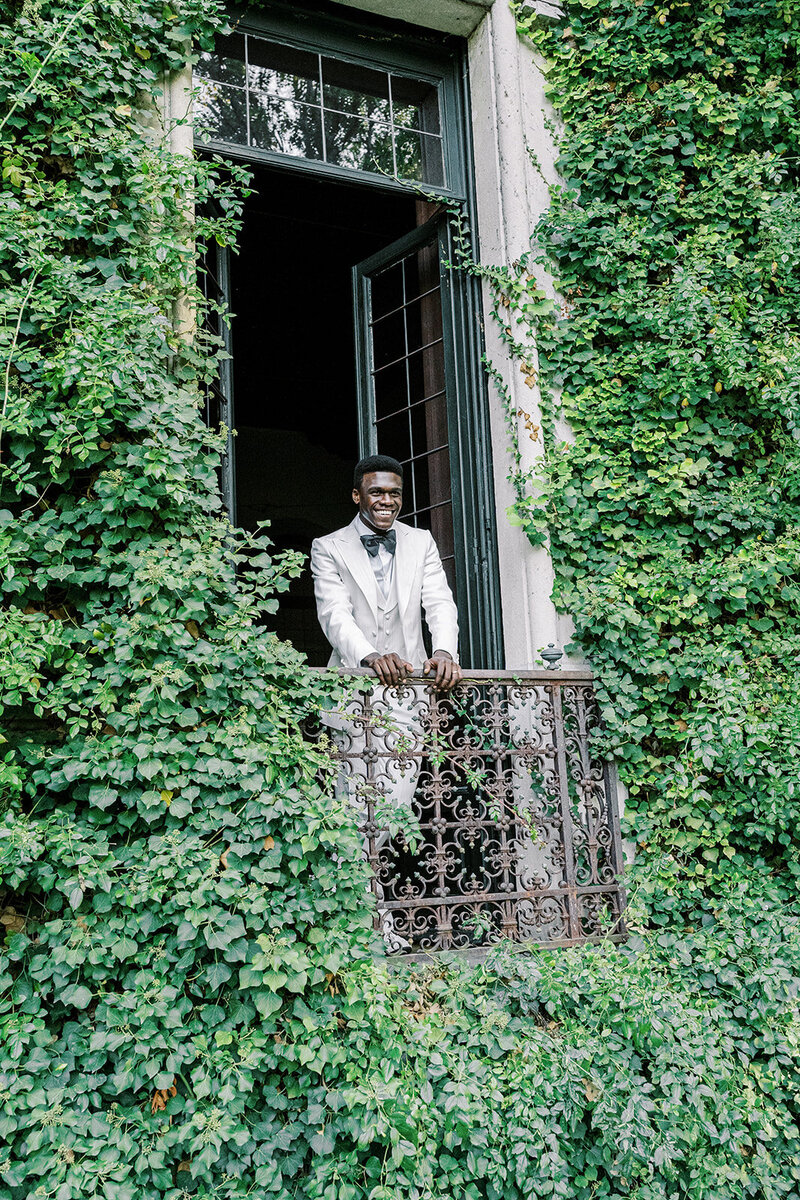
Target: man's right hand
{"type": "Point", "coordinates": [390, 668]}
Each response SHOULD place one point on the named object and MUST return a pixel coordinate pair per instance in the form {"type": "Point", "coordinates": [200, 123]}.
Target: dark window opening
{"type": "Point", "coordinates": [294, 374]}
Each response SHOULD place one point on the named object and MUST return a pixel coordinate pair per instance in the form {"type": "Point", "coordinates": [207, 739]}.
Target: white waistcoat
{"type": "Point", "coordinates": [390, 627]}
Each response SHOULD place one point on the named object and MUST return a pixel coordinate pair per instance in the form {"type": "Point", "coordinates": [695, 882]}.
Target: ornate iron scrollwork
{"type": "Point", "coordinates": [486, 813]}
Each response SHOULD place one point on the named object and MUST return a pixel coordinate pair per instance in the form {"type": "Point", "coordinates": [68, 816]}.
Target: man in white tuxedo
{"type": "Point", "coordinates": [373, 580]}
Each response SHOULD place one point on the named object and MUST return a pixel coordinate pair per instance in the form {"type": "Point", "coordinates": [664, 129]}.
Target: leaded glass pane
{"type": "Point", "coordinates": [220, 113]}
{"type": "Point", "coordinates": [389, 338]}
{"type": "Point", "coordinates": [350, 88]}
{"type": "Point", "coordinates": [388, 290]}
{"type": "Point", "coordinates": [310, 106]}
{"type": "Point", "coordinates": [415, 104]}
{"type": "Point", "coordinates": [394, 432]}
{"type": "Point", "coordinates": [362, 145]}
{"type": "Point", "coordinates": [391, 389]}
{"type": "Point", "coordinates": [285, 126]}
{"type": "Point", "coordinates": [419, 156]}
{"type": "Point", "coordinates": [282, 71]}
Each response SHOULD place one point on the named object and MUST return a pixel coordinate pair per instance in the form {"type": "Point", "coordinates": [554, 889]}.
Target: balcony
{"type": "Point", "coordinates": [486, 813]}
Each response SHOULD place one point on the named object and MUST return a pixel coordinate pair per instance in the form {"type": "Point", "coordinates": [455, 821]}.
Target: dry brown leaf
{"type": "Point", "coordinates": [269, 842]}
{"type": "Point", "coordinates": [158, 1101]}
{"type": "Point", "coordinates": [13, 921]}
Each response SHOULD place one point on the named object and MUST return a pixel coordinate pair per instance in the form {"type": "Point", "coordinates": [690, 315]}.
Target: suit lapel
{"type": "Point", "coordinates": [357, 560]}
{"type": "Point", "coordinates": [404, 566]}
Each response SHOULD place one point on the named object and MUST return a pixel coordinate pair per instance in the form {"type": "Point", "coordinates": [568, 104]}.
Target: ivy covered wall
{"type": "Point", "coordinates": [674, 517]}
{"type": "Point", "coordinates": [191, 1006]}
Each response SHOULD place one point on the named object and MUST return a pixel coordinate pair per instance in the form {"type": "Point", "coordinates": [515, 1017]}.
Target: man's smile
{"type": "Point", "coordinates": [379, 499]}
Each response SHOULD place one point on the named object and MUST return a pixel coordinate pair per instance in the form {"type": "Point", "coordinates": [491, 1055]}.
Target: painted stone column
{"type": "Point", "coordinates": [176, 119]}
{"type": "Point", "coordinates": [514, 163]}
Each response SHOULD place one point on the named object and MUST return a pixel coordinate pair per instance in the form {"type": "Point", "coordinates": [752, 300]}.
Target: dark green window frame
{"type": "Point", "coordinates": [443, 63]}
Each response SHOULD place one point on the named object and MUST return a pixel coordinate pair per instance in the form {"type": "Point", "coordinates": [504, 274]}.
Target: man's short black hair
{"type": "Point", "coordinates": [373, 463]}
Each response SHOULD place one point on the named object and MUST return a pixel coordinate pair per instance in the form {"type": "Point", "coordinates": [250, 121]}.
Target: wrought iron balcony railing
{"type": "Point", "coordinates": [515, 826]}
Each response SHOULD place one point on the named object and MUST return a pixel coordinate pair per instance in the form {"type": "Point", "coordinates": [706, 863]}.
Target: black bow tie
{"type": "Point", "coordinates": [374, 541]}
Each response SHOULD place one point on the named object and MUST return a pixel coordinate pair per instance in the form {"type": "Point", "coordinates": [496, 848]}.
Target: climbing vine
{"type": "Point", "coordinates": [191, 1006]}
{"type": "Point", "coordinates": [672, 351]}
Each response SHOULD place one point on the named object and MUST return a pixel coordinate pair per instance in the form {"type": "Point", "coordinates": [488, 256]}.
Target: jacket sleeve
{"type": "Point", "coordinates": [335, 609]}
{"type": "Point", "coordinates": [441, 614]}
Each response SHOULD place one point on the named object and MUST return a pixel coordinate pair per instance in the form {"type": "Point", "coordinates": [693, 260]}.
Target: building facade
{"type": "Point", "coordinates": [375, 132]}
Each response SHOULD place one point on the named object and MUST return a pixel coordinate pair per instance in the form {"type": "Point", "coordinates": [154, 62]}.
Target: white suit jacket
{"type": "Point", "coordinates": [347, 595]}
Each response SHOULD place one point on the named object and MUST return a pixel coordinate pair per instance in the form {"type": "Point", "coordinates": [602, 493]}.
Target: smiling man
{"type": "Point", "coordinates": [374, 579]}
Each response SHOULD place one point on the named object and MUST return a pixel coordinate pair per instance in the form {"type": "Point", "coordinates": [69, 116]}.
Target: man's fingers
{"type": "Point", "coordinates": [446, 673]}
{"type": "Point", "coordinates": [401, 667]}
{"type": "Point", "coordinates": [391, 669]}
{"type": "Point", "coordinates": [455, 676]}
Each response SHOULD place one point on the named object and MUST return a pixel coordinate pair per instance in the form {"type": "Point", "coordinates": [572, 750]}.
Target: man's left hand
{"type": "Point", "coordinates": [447, 671]}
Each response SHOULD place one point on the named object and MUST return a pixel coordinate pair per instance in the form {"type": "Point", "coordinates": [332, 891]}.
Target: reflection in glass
{"type": "Point", "coordinates": [226, 63]}
{"type": "Point", "coordinates": [286, 127]}
{"type": "Point", "coordinates": [283, 71]}
{"type": "Point", "coordinates": [362, 145]}
{"type": "Point", "coordinates": [220, 113]}
{"type": "Point", "coordinates": [419, 156]}
{"type": "Point", "coordinates": [350, 88]}
{"type": "Point", "coordinates": [415, 104]}
{"type": "Point", "coordinates": [323, 109]}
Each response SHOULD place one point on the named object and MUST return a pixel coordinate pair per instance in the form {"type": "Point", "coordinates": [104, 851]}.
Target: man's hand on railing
{"type": "Point", "coordinates": [390, 668]}
{"type": "Point", "coordinates": [448, 672]}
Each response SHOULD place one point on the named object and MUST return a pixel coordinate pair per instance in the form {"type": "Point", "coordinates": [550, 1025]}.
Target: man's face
{"type": "Point", "coordinates": [379, 499]}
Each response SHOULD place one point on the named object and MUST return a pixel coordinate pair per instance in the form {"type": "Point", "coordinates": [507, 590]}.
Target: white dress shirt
{"type": "Point", "coordinates": [382, 563]}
